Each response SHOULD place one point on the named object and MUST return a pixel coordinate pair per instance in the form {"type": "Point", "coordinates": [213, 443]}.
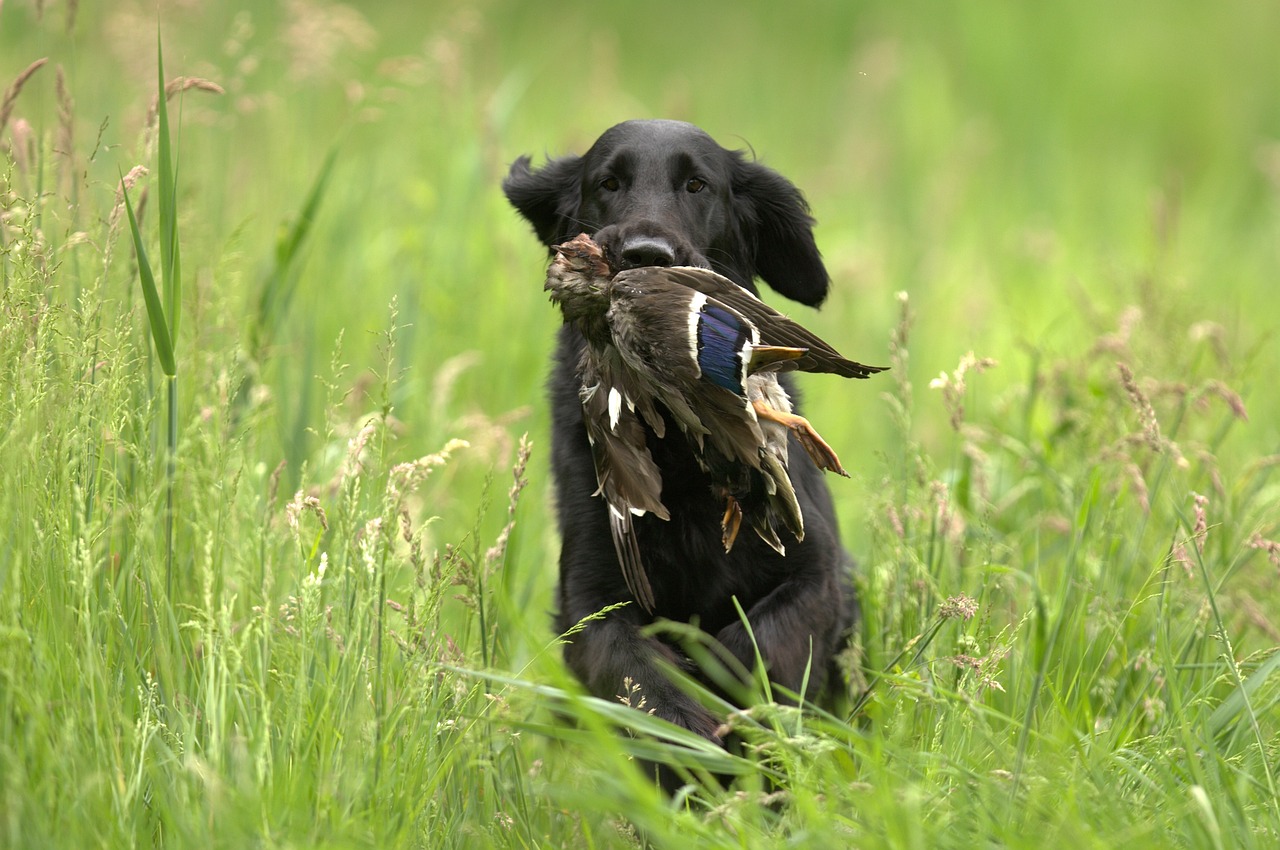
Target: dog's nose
{"type": "Point", "coordinates": [647, 251]}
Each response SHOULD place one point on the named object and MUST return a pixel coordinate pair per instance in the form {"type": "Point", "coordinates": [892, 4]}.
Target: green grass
{"type": "Point", "coordinates": [355, 650]}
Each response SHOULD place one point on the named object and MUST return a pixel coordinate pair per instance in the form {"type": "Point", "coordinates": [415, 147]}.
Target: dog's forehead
{"type": "Point", "coordinates": [654, 145]}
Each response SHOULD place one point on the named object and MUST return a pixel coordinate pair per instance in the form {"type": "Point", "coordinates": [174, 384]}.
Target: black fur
{"type": "Point", "coordinates": [633, 192]}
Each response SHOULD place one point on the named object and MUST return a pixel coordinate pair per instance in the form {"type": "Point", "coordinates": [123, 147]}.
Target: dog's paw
{"type": "Point", "coordinates": [695, 718]}
{"type": "Point", "coordinates": [737, 641]}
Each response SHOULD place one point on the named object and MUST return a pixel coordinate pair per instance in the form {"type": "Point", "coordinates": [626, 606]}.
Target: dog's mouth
{"type": "Point", "coordinates": [643, 243]}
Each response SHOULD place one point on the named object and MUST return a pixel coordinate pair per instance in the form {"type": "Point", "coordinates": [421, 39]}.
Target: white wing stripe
{"type": "Point", "coordinates": [695, 314]}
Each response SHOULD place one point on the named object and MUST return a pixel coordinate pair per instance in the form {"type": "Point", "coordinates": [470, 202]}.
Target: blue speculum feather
{"type": "Point", "coordinates": [721, 338]}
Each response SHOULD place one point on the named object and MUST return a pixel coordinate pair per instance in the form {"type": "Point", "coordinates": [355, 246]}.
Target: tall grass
{"type": "Point", "coordinates": [163, 313]}
{"type": "Point", "coordinates": [1065, 512]}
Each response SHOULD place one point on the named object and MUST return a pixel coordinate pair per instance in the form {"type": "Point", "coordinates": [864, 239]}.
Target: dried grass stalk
{"type": "Point", "coordinates": [171, 89]}
{"type": "Point", "coordinates": [117, 211]}
{"type": "Point", "coordinates": [11, 93]}
{"type": "Point", "coordinates": [65, 144]}
{"type": "Point", "coordinates": [180, 84]}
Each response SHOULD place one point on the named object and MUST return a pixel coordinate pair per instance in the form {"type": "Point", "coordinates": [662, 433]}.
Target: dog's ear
{"type": "Point", "coordinates": [779, 231]}
{"type": "Point", "coordinates": [547, 197]}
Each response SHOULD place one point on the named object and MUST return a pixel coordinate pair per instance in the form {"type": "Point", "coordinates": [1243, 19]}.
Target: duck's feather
{"type": "Point", "coordinates": [775, 328]}
{"type": "Point", "coordinates": [628, 548]}
{"type": "Point", "coordinates": [699, 357]}
{"type": "Point", "coordinates": [687, 344]}
{"type": "Point", "coordinates": [627, 477]}
{"type": "Point", "coordinates": [720, 337]}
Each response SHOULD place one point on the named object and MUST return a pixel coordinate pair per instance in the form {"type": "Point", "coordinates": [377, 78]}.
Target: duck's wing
{"type": "Point", "coordinates": [691, 353]}
{"type": "Point", "coordinates": [627, 477]}
{"type": "Point", "coordinates": [775, 328]}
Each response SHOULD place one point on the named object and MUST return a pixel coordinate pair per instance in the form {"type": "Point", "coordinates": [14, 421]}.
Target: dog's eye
{"type": "Point", "coordinates": [694, 186]}
{"type": "Point", "coordinates": [610, 184]}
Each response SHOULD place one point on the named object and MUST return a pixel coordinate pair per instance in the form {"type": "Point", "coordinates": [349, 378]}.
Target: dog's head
{"type": "Point", "coordinates": [664, 193]}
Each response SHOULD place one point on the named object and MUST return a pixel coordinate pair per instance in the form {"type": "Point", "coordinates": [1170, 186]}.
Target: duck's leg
{"type": "Point", "coordinates": [730, 522]}
{"type": "Point", "coordinates": [823, 456]}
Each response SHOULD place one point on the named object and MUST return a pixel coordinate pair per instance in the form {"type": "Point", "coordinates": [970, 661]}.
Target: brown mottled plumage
{"type": "Point", "coordinates": [694, 343]}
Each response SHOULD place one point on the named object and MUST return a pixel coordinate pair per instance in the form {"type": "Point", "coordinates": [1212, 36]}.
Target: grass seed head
{"type": "Point", "coordinates": [958, 607]}
{"type": "Point", "coordinates": [15, 89]}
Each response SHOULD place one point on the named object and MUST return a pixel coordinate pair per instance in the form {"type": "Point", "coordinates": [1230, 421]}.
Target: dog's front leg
{"type": "Point", "coordinates": [614, 661]}
{"type": "Point", "coordinates": [795, 628]}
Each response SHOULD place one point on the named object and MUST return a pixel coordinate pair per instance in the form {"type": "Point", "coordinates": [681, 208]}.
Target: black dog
{"type": "Point", "coordinates": [664, 193]}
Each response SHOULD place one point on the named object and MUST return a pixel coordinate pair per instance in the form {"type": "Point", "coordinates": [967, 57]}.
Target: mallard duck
{"type": "Point", "coordinates": [696, 344]}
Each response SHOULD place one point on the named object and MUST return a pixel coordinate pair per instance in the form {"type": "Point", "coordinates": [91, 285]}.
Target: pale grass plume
{"type": "Point", "coordinates": [127, 183]}
{"type": "Point", "coordinates": [182, 84]}
{"type": "Point", "coordinates": [448, 374]}
{"type": "Point", "coordinates": [1267, 158]}
{"type": "Point", "coordinates": [1117, 343]}
{"type": "Point", "coordinates": [405, 478]}
{"type": "Point", "coordinates": [73, 6]}
{"type": "Point", "coordinates": [414, 542]}
{"type": "Point", "coordinates": [315, 578]}
{"type": "Point", "coordinates": [900, 355]}
{"type": "Point", "coordinates": [1199, 533]}
{"type": "Point", "coordinates": [273, 483]}
{"type": "Point", "coordinates": [1213, 333]}
{"type": "Point", "coordinates": [1182, 557]}
{"type": "Point", "coordinates": [1150, 430]}
{"type": "Point", "coordinates": [64, 147]}
{"type": "Point", "coordinates": [895, 521]}
{"type": "Point", "coordinates": [490, 436]}
{"type": "Point", "coordinates": [471, 575]}
{"type": "Point", "coordinates": [1260, 617]}
{"type": "Point", "coordinates": [950, 524]}
{"type": "Point", "coordinates": [588, 620]}
{"type": "Point", "coordinates": [984, 668]}
{"type": "Point", "coordinates": [1201, 529]}
{"type": "Point", "coordinates": [954, 386]}
{"type": "Point", "coordinates": [331, 632]}
{"type": "Point", "coordinates": [980, 462]}
{"type": "Point", "coordinates": [15, 89]}
{"type": "Point", "coordinates": [496, 552]}
{"type": "Point", "coordinates": [1139, 482]}
{"type": "Point", "coordinates": [632, 695]}
{"type": "Point", "coordinates": [318, 34]}
{"type": "Point", "coordinates": [1146, 413]}
{"type": "Point", "coordinates": [23, 147]}
{"type": "Point", "coordinates": [371, 545]}
{"type": "Point", "coordinates": [960, 607]}
{"type": "Point", "coordinates": [1229, 397]}
{"type": "Point", "coordinates": [1270, 547]}
{"type": "Point", "coordinates": [448, 48]}
{"type": "Point", "coordinates": [301, 504]}
{"type": "Point", "coordinates": [171, 89]}
{"type": "Point", "coordinates": [353, 463]}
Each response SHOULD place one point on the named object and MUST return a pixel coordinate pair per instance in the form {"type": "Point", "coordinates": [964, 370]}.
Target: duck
{"type": "Point", "coordinates": [690, 342]}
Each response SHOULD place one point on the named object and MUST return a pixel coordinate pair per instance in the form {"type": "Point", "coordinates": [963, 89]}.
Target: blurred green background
{"type": "Point", "coordinates": [1055, 186]}
{"type": "Point", "coordinates": [1026, 173]}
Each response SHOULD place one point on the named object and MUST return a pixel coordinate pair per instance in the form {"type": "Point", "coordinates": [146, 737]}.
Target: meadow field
{"type": "Point", "coordinates": [277, 547]}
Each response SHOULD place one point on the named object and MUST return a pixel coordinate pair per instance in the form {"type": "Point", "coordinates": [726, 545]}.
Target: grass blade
{"type": "Point", "coordinates": [1240, 698]}
{"type": "Point", "coordinates": [155, 311]}
{"type": "Point", "coordinates": [169, 263]}
{"type": "Point", "coordinates": [658, 739]}
{"type": "Point", "coordinates": [279, 288]}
